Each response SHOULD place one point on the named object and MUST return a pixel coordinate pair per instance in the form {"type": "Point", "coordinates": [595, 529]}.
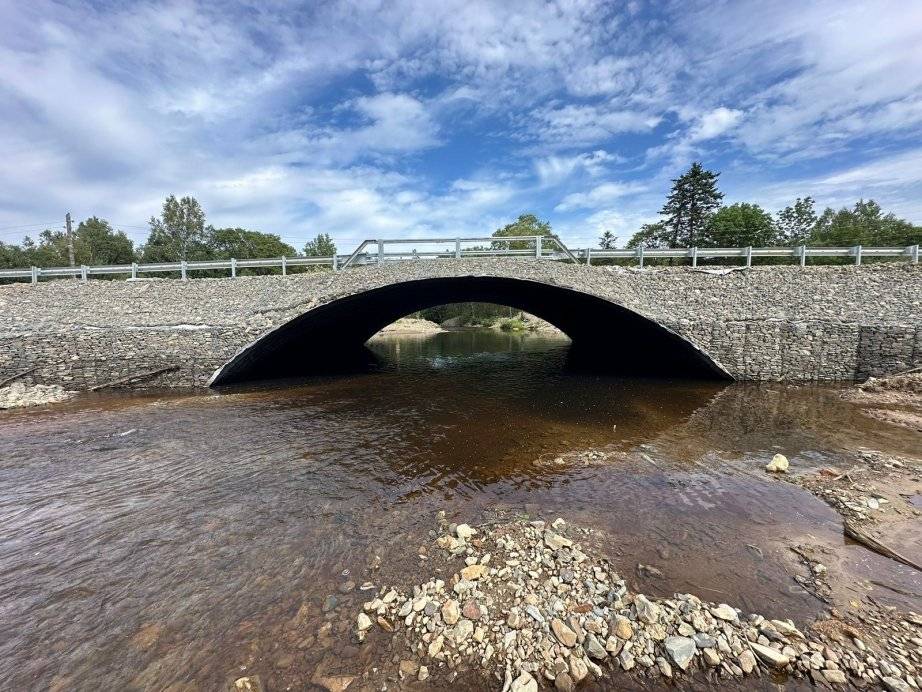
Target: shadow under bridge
{"type": "Point", "coordinates": [605, 336]}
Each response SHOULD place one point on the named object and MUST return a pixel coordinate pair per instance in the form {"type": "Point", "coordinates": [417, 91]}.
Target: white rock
{"type": "Point", "coordinates": [681, 650]}
{"type": "Point", "coordinates": [578, 669]}
{"type": "Point", "coordinates": [555, 541]}
{"type": "Point", "coordinates": [451, 611]}
{"type": "Point", "coordinates": [646, 610]}
{"type": "Point", "coordinates": [363, 622]}
{"type": "Point", "coordinates": [524, 683]}
{"type": "Point", "coordinates": [463, 531]}
{"type": "Point", "coordinates": [725, 612]}
{"type": "Point", "coordinates": [770, 656]}
{"type": "Point", "coordinates": [778, 464]}
{"type": "Point", "coordinates": [895, 684]}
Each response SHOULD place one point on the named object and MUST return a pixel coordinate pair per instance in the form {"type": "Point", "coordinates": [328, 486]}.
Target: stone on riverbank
{"type": "Point", "coordinates": [551, 612]}
{"type": "Point", "coordinates": [20, 395]}
{"type": "Point", "coordinates": [778, 464]}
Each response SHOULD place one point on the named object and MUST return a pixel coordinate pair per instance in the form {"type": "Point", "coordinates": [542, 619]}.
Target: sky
{"type": "Point", "coordinates": [413, 119]}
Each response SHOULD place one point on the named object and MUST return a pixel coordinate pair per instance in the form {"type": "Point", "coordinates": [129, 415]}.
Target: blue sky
{"type": "Point", "coordinates": [385, 119]}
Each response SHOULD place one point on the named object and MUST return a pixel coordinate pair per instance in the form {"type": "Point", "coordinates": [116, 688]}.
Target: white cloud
{"type": "Point", "coordinates": [553, 170]}
{"type": "Point", "coordinates": [599, 196]}
{"type": "Point", "coordinates": [574, 125]}
{"type": "Point", "coordinates": [714, 123]}
{"type": "Point", "coordinates": [409, 117]}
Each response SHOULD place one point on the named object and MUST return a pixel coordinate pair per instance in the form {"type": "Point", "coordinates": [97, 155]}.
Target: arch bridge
{"type": "Point", "coordinates": [763, 323]}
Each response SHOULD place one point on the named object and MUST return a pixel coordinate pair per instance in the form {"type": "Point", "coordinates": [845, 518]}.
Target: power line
{"type": "Point", "coordinates": [29, 225]}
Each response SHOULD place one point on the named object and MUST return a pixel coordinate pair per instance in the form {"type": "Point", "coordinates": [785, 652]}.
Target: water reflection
{"type": "Point", "coordinates": [153, 540]}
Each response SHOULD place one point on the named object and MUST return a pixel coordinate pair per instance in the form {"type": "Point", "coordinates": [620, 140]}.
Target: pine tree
{"type": "Point", "coordinates": [690, 206]}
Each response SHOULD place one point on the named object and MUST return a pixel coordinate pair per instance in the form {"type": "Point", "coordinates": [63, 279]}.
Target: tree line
{"type": "Point", "coordinates": [693, 216]}
{"type": "Point", "coordinates": [179, 233]}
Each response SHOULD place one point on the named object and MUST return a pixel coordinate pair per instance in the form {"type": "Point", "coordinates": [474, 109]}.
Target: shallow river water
{"type": "Point", "coordinates": [174, 541]}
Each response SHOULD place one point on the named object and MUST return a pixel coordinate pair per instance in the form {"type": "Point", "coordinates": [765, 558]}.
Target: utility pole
{"type": "Point", "coordinates": [70, 240]}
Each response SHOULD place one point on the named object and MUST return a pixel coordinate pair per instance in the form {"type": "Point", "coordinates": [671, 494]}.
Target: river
{"type": "Point", "coordinates": [163, 540]}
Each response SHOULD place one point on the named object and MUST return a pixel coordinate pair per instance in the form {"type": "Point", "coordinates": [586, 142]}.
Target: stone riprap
{"type": "Point", "coordinates": [766, 323]}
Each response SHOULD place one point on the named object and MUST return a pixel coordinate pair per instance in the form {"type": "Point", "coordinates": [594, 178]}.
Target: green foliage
{"type": "Point", "coordinates": [179, 233]}
{"type": "Point", "coordinates": [470, 314]}
{"type": "Point", "coordinates": [650, 235]}
{"type": "Point", "coordinates": [512, 324]}
{"type": "Point", "coordinates": [321, 246]}
{"type": "Point", "coordinates": [95, 243]}
{"type": "Point", "coordinates": [690, 205]}
{"type": "Point", "coordinates": [740, 225]}
{"type": "Point", "coordinates": [240, 243]}
{"type": "Point", "coordinates": [12, 257]}
{"type": "Point", "coordinates": [863, 224]}
{"type": "Point", "coordinates": [526, 224]}
{"type": "Point", "coordinates": [607, 241]}
{"type": "Point", "coordinates": [796, 222]}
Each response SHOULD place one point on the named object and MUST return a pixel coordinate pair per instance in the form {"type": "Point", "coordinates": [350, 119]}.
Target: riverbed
{"type": "Point", "coordinates": [160, 540]}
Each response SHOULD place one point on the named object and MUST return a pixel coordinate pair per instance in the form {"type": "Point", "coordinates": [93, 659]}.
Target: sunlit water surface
{"type": "Point", "coordinates": [164, 541]}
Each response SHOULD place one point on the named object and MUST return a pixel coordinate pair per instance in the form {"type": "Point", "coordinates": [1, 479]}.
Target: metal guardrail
{"type": "Point", "coordinates": [541, 247]}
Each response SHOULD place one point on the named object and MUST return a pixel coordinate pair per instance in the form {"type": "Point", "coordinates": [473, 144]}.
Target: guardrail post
{"type": "Point", "coordinates": [857, 255]}
{"type": "Point", "coordinates": [182, 269]}
{"type": "Point", "coordinates": [803, 255]}
{"type": "Point", "coordinates": [694, 255]}
{"type": "Point", "coordinates": [134, 270]}
{"type": "Point", "coordinates": [380, 251]}
{"type": "Point", "coordinates": [284, 266]}
{"type": "Point", "coordinates": [749, 255]}
{"type": "Point", "coordinates": [83, 273]}
{"type": "Point", "coordinates": [588, 256]}
{"type": "Point", "coordinates": [35, 272]}
{"type": "Point", "coordinates": [538, 246]}
{"type": "Point", "coordinates": [640, 256]}
{"type": "Point", "coordinates": [233, 268]}
{"type": "Point", "coordinates": [335, 263]}
{"type": "Point", "coordinates": [457, 248]}
{"type": "Point", "coordinates": [914, 254]}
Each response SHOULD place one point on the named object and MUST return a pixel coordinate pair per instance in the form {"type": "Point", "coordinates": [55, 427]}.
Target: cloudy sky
{"type": "Point", "coordinates": [398, 118]}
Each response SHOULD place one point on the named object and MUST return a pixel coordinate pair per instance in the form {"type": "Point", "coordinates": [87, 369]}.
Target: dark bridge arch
{"type": "Point", "coordinates": [612, 336]}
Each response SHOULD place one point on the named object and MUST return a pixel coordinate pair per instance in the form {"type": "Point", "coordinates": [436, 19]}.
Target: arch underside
{"type": "Point", "coordinates": [604, 334]}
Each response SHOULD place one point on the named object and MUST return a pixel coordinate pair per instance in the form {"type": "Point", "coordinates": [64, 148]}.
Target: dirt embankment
{"type": "Point", "coordinates": [410, 325]}
{"type": "Point", "coordinates": [896, 399]}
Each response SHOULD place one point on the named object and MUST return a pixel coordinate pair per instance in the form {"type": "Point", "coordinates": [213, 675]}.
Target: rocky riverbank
{"type": "Point", "coordinates": [534, 605]}
{"type": "Point", "coordinates": [20, 394]}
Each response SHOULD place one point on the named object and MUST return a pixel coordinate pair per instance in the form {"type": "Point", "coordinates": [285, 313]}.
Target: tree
{"type": "Point", "coordinates": [608, 240]}
{"type": "Point", "coordinates": [12, 257]}
{"type": "Point", "coordinates": [96, 242]}
{"type": "Point", "coordinates": [690, 205]}
{"type": "Point", "coordinates": [321, 246]}
{"type": "Point", "coordinates": [863, 224]}
{"type": "Point", "coordinates": [795, 223]}
{"type": "Point", "coordinates": [740, 225]}
{"type": "Point", "coordinates": [179, 233]}
{"type": "Point", "coordinates": [240, 243]}
{"type": "Point", "coordinates": [526, 224]}
{"type": "Point", "coordinates": [650, 235]}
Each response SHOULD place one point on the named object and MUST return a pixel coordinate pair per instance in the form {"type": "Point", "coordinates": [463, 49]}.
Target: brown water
{"type": "Point", "coordinates": [164, 541]}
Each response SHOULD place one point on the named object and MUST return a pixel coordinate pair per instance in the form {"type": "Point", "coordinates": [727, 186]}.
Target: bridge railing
{"type": "Point", "coordinates": [377, 251]}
